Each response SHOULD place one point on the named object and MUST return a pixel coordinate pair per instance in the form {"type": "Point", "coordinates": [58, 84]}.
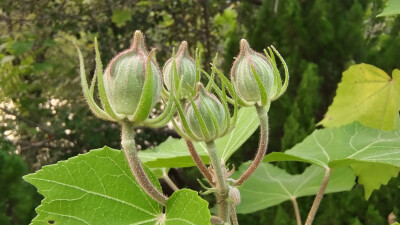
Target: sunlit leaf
{"type": "Point", "coordinates": [375, 175]}
{"type": "Point", "coordinates": [392, 8]}
{"type": "Point", "coordinates": [270, 185]}
{"type": "Point", "coordinates": [368, 95]}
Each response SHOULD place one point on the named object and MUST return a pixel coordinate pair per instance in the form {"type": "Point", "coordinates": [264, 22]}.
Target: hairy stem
{"type": "Point", "coordinates": [262, 113]}
{"type": "Point", "coordinates": [296, 210]}
{"type": "Point", "coordinates": [318, 197]}
{"type": "Point", "coordinates": [222, 187]}
{"type": "Point", "coordinates": [170, 183]}
{"type": "Point", "coordinates": [233, 215]}
{"type": "Point", "coordinates": [129, 146]}
{"type": "Point", "coordinates": [199, 163]}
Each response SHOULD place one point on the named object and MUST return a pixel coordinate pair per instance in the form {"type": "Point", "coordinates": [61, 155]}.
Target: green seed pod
{"type": "Point", "coordinates": [207, 120]}
{"type": "Point", "coordinates": [244, 78]}
{"type": "Point", "coordinates": [125, 83]}
{"type": "Point", "coordinates": [185, 67]}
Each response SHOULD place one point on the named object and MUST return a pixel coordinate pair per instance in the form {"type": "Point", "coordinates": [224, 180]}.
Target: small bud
{"type": "Point", "coordinates": [125, 77]}
{"type": "Point", "coordinates": [243, 75]}
{"type": "Point", "coordinates": [185, 67]}
{"type": "Point", "coordinates": [234, 195]}
{"type": "Point", "coordinates": [210, 111]}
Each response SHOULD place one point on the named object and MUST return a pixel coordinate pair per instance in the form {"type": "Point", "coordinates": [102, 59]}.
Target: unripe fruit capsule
{"type": "Point", "coordinates": [243, 75]}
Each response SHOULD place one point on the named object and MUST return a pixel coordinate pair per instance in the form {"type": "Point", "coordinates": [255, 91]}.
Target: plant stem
{"type": "Point", "coordinates": [296, 210]}
{"type": "Point", "coordinates": [318, 197]}
{"type": "Point", "coordinates": [170, 183]}
{"type": "Point", "coordinates": [129, 146]}
{"type": "Point", "coordinates": [233, 215]}
{"type": "Point", "coordinates": [262, 113]}
{"type": "Point", "coordinates": [223, 189]}
{"type": "Point", "coordinates": [199, 163]}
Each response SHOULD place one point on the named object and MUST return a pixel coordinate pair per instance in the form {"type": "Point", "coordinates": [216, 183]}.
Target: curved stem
{"type": "Point", "coordinates": [262, 113]}
{"type": "Point", "coordinates": [129, 146]}
{"type": "Point", "coordinates": [296, 210]}
{"type": "Point", "coordinates": [318, 197]}
{"type": "Point", "coordinates": [170, 183]}
{"type": "Point", "coordinates": [199, 163]}
{"type": "Point", "coordinates": [233, 215]}
{"type": "Point", "coordinates": [223, 189]}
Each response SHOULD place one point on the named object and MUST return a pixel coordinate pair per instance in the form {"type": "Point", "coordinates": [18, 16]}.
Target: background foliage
{"type": "Point", "coordinates": [44, 118]}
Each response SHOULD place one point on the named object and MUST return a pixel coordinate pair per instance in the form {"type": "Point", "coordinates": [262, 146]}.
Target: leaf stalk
{"type": "Point", "coordinates": [199, 163]}
{"type": "Point", "coordinates": [129, 147]}
{"type": "Point", "coordinates": [296, 210]}
{"type": "Point", "coordinates": [318, 197]}
{"type": "Point", "coordinates": [262, 112]}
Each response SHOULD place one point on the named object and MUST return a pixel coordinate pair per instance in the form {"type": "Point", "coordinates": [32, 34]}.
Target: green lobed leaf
{"type": "Point", "coordinates": [392, 8]}
{"type": "Point", "coordinates": [368, 95]}
{"type": "Point", "coordinates": [270, 185]}
{"type": "Point", "coordinates": [378, 174]}
{"type": "Point", "coordinates": [186, 207]}
{"type": "Point", "coordinates": [99, 188]}
{"type": "Point", "coordinates": [173, 152]}
{"type": "Point", "coordinates": [350, 145]}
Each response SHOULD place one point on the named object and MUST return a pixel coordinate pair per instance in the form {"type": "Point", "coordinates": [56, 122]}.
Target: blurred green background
{"type": "Point", "coordinates": [44, 119]}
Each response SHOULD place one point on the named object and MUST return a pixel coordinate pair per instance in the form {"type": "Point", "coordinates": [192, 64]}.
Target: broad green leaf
{"type": "Point", "coordinates": [392, 8]}
{"type": "Point", "coordinates": [120, 17]}
{"type": "Point", "coordinates": [247, 124]}
{"type": "Point", "coordinates": [368, 95]}
{"type": "Point", "coordinates": [173, 152]}
{"type": "Point", "coordinates": [186, 207]}
{"type": "Point", "coordinates": [349, 145]}
{"type": "Point", "coordinates": [270, 185]}
{"type": "Point", "coordinates": [93, 188]}
{"type": "Point", "coordinates": [99, 188]}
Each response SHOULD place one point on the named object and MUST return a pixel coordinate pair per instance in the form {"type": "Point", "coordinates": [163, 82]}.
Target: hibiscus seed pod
{"type": "Point", "coordinates": [247, 63]}
{"type": "Point", "coordinates": [206, 115]}
{"type": "Point", "coordinates": [132, 81]}
{"type": "Point", "coordinates": [185, 68]}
